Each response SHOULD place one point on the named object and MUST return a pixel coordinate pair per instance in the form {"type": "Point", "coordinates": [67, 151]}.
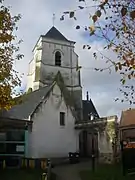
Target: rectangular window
{"type": "Point", "coordinates": [62, 118]}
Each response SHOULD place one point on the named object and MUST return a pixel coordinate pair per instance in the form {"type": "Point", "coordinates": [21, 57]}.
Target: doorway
{"type": "Point", "coordinates": [85, 143]}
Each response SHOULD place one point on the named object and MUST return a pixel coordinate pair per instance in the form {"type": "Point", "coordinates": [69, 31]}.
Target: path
{"type": "Point", "coordinates": [70, 171]}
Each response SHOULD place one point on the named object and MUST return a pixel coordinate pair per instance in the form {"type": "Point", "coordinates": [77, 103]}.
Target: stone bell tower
{"type": "Point", "coordinates": [53, 53]}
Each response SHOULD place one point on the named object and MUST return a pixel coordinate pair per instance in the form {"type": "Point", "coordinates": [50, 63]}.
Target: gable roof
{"type": "Point", "coordinates": [33, 100]}
{"type": "Point", "coordinates": [23, 110]}
{"type": "Point", "coordinates": [53, 33]}
{"type": "Point", "coordinates": [88, 107]}
{"type": "Point", "coordinates": [127, 117]}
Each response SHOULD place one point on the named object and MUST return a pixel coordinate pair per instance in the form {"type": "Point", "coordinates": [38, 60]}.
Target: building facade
{"type": "Point", "coordinates": [53, 53]}
{"type": "Point", "coordinates": [53, 102]}
{"type": "Point", "coordinates": [53, 133]}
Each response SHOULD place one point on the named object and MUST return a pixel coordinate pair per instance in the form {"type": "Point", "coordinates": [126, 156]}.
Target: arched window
{"type": "Point", "coordinates": [58, 58]}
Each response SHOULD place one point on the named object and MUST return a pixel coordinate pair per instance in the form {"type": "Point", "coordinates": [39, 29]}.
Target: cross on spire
{"type": "Point", "coordinates": [53, 19]}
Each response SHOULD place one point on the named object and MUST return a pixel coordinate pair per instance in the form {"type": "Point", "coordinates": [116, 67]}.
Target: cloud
{"type": "Point", "coordinates": [37, 19]}
{"type": "Point", "coordinates": [103, 87]}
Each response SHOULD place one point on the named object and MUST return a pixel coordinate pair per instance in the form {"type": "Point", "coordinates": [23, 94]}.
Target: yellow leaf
{"type": "Point", "coordinates": [92, 28]}
{"type": "Point", "coordinates": [133, 67]}
{"type": "Point", "coordinates": [125, 28]}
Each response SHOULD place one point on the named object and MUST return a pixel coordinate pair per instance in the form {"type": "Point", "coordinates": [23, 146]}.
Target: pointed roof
{"type": "Point", "coordinates": [53, 33]}
{"type": "Point", "coordinates": [88, 107]}
{"type": "Point", "coordinates": [127, 118]}
{"type": "Point", "coordinates": [33, 100]}
{"type": "Point", "coordinates": [29, 103]}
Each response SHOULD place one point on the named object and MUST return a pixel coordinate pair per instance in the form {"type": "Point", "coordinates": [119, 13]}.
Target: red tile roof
{"type": "Point", "coordinates": [127, 117]}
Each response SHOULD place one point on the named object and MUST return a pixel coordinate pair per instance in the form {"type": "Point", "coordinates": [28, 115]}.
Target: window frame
{"type": "Point", "coordinates": [62, 119]}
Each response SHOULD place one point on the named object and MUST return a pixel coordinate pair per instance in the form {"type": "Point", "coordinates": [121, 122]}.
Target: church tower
{"type": "Point", "coordinates": [53, 53]}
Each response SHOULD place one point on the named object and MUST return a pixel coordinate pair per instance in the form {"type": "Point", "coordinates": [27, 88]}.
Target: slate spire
{"type": "Point", "coordinates": [53, 33]}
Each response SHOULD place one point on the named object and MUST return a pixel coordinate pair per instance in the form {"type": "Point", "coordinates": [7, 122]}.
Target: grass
{"type": "Point", "coordinates": [105, 172]}
{"type": "Point", "coordinates": [14, 174]}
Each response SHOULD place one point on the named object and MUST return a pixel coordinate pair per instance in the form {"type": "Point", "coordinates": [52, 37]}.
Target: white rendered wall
{"type": "Point", "coordinates": [48, 138]}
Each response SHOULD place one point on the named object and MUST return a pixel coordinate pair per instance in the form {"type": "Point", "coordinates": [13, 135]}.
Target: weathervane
{"type": "Point", "coordinates": [53, 19]}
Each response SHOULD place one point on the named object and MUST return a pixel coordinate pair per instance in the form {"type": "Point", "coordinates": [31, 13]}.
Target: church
{"type": "Point", "coordinates": [43, 124]}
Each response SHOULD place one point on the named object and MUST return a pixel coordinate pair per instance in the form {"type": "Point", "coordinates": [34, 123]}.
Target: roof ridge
{"type": "Point", "coordinates": [43, 97]}
{"type": "Point", "coordinates": [54, 33]}
{"type": "Point", "coordinates": [68, 98]}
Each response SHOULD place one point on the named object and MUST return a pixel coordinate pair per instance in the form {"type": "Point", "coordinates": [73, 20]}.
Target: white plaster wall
{"type": "Point", "coordinates": [37, 54]}
{"type": "Point", "coordinates": [48, 138]}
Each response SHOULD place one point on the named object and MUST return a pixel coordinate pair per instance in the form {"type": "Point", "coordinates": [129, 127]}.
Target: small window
{"type": "Point", "coordinates": [58, 58]}
{"type": "Point", "coordinates": [62, 119]}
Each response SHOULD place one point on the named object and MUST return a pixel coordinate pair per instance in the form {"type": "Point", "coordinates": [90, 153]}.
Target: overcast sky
{"type": "Point", "coordinates": [37, 19]}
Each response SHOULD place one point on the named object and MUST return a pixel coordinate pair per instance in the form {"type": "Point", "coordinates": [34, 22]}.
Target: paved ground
{"type": "Point", "coordinates": [70, 171]}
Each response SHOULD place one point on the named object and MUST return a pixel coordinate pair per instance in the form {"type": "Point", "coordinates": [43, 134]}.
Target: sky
{"type": "Point", "coordinates": [37, 19]}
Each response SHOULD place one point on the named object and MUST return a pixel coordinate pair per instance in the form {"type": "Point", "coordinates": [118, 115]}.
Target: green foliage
{"type": "Point", "coordinates": [105, 172]}
{"type": "Point", "coordinates": [21, 174]}
{"type": "Point", "coordinates": [29, 90]}
{"type": "Point", "coordinates": [9, 53]}
{"type": "Point", "coordinates": [111, 130]}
